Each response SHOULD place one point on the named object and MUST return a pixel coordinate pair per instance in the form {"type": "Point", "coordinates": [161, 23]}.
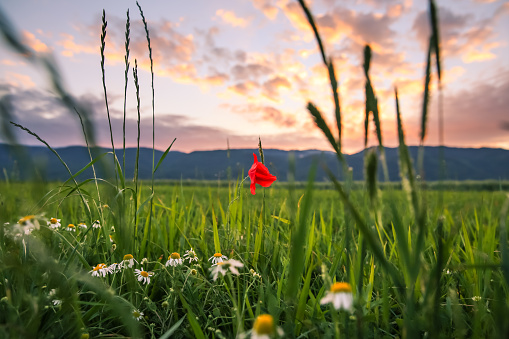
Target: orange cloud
{"type": "Point", "coordinates": [71, 47]}
{"type": "Point", "coordinates": [269, 10]}
{"type": "Point", "coordinates": [474, 55]}
{"type": "Point", "coordinates": [271, 88]}
{"type": "Point", "coordinates": [19, 80]}
{"type": "Point", "coordinates": [34, 43]}
{"type": "Point", "coordinates": [230, 18]}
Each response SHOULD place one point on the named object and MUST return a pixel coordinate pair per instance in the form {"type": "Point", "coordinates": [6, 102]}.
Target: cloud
{"type": "Point", "coordinates": [230, 18]}
{"type": "Point", "coordinates": [37, 45]}
{"type": "Point", "coordinates": [460, 35]}
{"type": "Point", "coordinates": [263, 113]}
{"type": "Point", "coordinates": [19, 80]}
{"type": "Point", "coordinates": [250, 71]}
{"type": "Point", "coordinates": [340, 22]}
{"type": "Point", "coordinates": [267, 8]}
{"type": "Point", "coordinates": [272, 87]}
{"type": "Point", "coordinates": [244, 88]}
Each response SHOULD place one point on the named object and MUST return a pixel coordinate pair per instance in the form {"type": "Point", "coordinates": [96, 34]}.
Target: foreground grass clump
{"type": "Point", "coordinates": [60, 281]}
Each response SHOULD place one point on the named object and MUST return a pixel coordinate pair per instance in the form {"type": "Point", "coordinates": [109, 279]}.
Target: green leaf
{"type": "Point", "coordinates": [163, 156]}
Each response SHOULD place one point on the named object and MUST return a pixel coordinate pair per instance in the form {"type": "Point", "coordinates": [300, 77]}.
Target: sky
{"type": "Point", "coordinates": [229, 72]}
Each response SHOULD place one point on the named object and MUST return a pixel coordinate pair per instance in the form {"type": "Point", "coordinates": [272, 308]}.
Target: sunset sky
{"type": "Point", "coordinates": [242, 69]}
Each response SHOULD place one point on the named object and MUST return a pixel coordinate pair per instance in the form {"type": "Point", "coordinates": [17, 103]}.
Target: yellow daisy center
{"type": "Point", "coordinates": [71, 226]}
{"type": "Point", "coordinates": [136, 314]}
{"type": "Point", "coordinates": [175, 255]}
{"type": "Point", "coordinates": [53, 220]}
{"type": "Point", "coordinates": [341, 287]}
{"type": "Point", "coordinates": [26, 218]}
{"type": "Point", "coordinates": [144, 274]}
{"type": "Point", "coordinates": [217, 255]}
{"type": "Point", "coordinates": [128, 257]}
{"type": "Point", "coordinates": [264, 324]}
{"type": "Point", "coordinates": [100, 266]}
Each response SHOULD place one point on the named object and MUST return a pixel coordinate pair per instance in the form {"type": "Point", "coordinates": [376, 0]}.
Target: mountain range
{"type": "Point", "coordinates": [40, 163]}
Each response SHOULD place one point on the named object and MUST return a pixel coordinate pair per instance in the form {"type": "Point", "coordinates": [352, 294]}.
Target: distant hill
{"type": "Point", "coordinates": [39, 162]}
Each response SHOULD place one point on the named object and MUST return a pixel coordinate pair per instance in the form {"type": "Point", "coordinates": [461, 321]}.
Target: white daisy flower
{"type": "Point", "coordinates": [114, 268]}
{"type": "Point", "coordinates": [340, 295]}
{"type": "Point", "coordinates": [71, 228]}
{"type": "Point", "coordinates": [96, 224]}
{"type": "Point", "coordinates": [174, 260]}
{"type": "Point", "coordinates": [143, 276]}
{"type": "Point", "coordinates": [137, 315]}
{"type": "Point", "coordinates": [54, 223]}
{"type": "Point", "coordinates": [217, 258]}
{"type": "Point", "coordinates": [190, 255]}
{"type": "Point", "coordinates": [223, 267]}
{"type": "Point", "coordinates": [56, 302]}
{"type": "Point", "coordinates": [82, 225]}
{"type": "Point", "coordinates": [100, 270]}
{"type": "Point", "coordinates": [111, 239]}
{"type": "Point", "coordinates": [128, 261]}
{"type": "Point", "coordinates": [28, 224]}
{"type": "Point", "coordinates": [264, 328]}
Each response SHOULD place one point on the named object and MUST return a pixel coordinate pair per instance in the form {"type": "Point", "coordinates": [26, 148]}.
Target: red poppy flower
{"type": "Point", "coordinates": [260, 175]}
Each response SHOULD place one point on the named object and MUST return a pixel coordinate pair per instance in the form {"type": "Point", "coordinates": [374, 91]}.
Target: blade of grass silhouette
{"type": "Point", "coordinates": [61, 161]}
{"type": "Point", "coordinates": [332, 76]}
{"type": "Point", "coordinates": [103, 45]}
{"type": "Point", "coordinates": [164, 155]}
{"type": "Point", "coordinates": [372, 106]}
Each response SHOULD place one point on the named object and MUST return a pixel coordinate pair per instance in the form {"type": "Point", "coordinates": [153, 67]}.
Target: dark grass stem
{"type": "Point", "coordinates": [145, 25]}
{"type": "Point", "coordinates": [103, 45]}
{"type": "Point", "coordinates": [126, 80]}
{"type": "Point", "coordinates": [136, 84]}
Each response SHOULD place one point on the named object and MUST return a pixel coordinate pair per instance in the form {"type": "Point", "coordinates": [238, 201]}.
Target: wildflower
{"type": "Point", "coordinates": [144, 261]}
{"type": "Point", "coordinates": [54, 223]}
{"type": "Point", "coordinates": [223, 267]}
{"type": "Point", "coordinates": [82, 225]}
{"type": "Point", "coordinates": [174, 260]}
{"type": "Point", "coordinates": [217, 258]}
{"type": "Point", "coordinates": [96, 224]}
{"type": "Point", "coordinates": [340, 295]}
{"type": "Point", "coordinates": [143, 276]}
{"type": "Point", "coordinates": [260, 175]}
{"type": "Point", "coordinates": [128, 261]}
{"type": "Point", "coordinates": [190, 255]}
{"type": "Point", "coordinates": [54, 301]}
{"type": "Point", "coordinates": [137, 315]}
{"type": "Point", "coordinates": [264, 328]}
{"type": "Point", "coordinates": [255, 275]}
{"type": "Point", "coordinates": [111, 239]}
{"type": "Point", "coordinates": [114, 268]}
{"type": "Point", "coordinates": [99, 270]}
{"type": "Point", "coordinates": [476, 298]}
{"type": "Point", "coordinates": [194, 272]}
{"type": "Point", "coordinates": [28, 223]}
{"type": "Point", "coordinates": [27, 220]}
{"type": "Point", "coordinates": [71, 228]}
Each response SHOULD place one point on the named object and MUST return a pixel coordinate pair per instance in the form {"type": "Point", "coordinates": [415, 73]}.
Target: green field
{"type": "Point", "coordinates": [466, 298]}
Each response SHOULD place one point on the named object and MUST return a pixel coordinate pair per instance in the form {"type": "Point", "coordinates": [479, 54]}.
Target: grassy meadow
{"type": "Point", "coordinates": [120, 257]}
